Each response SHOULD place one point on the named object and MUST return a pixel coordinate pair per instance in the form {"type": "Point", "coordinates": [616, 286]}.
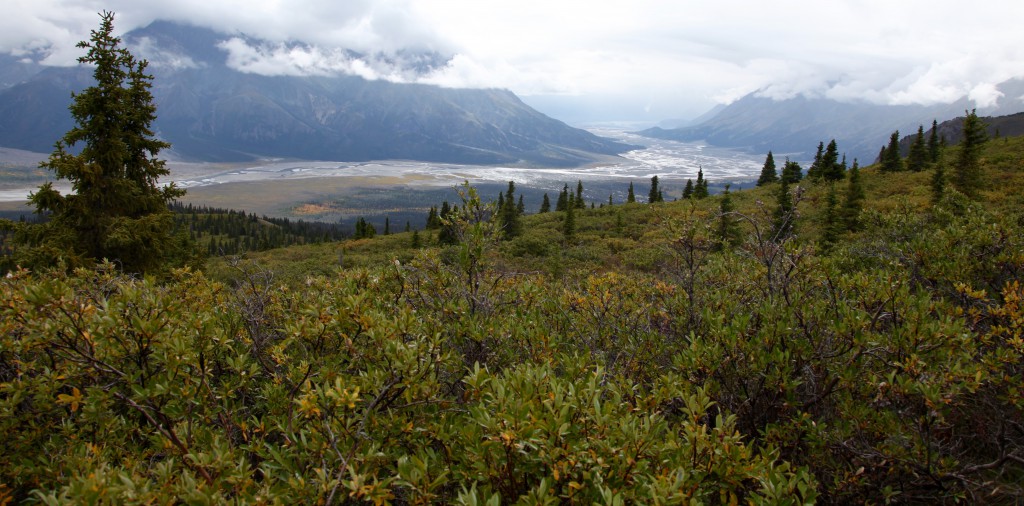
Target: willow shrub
{"type": "Point", "coordinates": [118, 390]}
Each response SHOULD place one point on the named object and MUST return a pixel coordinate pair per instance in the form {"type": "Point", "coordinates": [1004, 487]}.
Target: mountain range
{"type": "Point", "coordinates": [795, 126]}
{"type": "Point", "coordinates": [210, 111]}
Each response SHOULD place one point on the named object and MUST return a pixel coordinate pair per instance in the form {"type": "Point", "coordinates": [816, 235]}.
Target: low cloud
{"type": "Point", "coordinates": [158, 57]}
{"type": "Point", "coordinates": [674, 57]}
{"type": "Point", "coordinates": [296, 59]}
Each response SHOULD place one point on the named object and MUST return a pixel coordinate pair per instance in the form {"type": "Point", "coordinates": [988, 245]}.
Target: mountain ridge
{"type": "Point", "coordinates": [211, 112]}
{"type": "Point", "coordinates": [795, 126]}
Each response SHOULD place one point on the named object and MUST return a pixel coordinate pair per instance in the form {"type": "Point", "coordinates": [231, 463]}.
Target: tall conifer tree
{"type": "Point", "coordinates": [933, 143]}
{"type": "Point", "coordinates": [967, 168]}
{"type": "Point", "coordinates": [917, 159]}
{"type": "Point", "coordinates": [117, 209]}
{"type": "Point", "coordinates": [654, 194]}
{"type": "Point", "coordinates": [768, 173]}
{"type": "Point", "coordinates": [891, 159]}
{"type": "Point", "coordinates": [854, 198]}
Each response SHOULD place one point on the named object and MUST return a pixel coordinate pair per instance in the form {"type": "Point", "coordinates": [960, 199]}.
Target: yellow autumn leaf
{"type": "Point", "coordinates": [74, 399]}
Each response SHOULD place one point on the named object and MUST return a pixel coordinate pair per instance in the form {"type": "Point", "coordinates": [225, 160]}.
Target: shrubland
{"type": "Point", "coordinates": [639, 359]}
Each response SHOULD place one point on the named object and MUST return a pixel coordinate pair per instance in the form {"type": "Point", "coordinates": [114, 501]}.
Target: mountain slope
{"type": "Point", "coordinates": [796, 126]}
{"type": "Point", "coordinates": [209, 111]}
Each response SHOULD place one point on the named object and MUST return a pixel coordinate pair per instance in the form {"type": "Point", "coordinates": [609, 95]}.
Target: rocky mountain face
{"type": "Point", "coordinates": [210, 111]}
{"type": "Point", "coordinates": [794, 127]}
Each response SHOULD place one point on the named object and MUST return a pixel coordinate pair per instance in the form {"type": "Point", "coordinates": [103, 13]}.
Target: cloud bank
{"type": "Point", "coordinates": [655, 57]}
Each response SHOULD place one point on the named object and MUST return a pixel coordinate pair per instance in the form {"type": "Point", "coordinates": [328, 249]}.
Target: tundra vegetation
{"type": "Point", "coordinates": [853, 339]}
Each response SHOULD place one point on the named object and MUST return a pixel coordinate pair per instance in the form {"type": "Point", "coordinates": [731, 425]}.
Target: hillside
{"type": "Point", "coordinates": [211, 111]}
{"type": "Point", "coordinates": [951, 131]}
{"type": "Point", "coordinates": [637, 359]}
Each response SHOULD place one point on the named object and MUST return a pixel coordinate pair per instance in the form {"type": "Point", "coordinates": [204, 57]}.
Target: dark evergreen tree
{"type": "Point", "coordinates": [563, 199]}
{"type": "Point", "coordinates": [768, 173]}
{"type": "Point", "coordinates": [364, 229]}
{"type": "Point", "coordinates": [117, 209]}
{"type": "Point", "coordinates": [688, 189]}
{"type": "Point", "coordinates": [652, 196]}
{"type": "Point", "coordinates": [854, 199]}
{"type": "Point", "coordinates": [816, 171]}
{"type": "Point", "coordinates": [630, 196]}
{"type": "Point", "coordinates": [784, 216]}
{"type": "Point", "coordinates": [967, 168]}
{"type": "Point", "coordinates": [416, 241]}
{"type": "Point", "coordinates": [433, 219]}
{"type": "Point", "coordinates": [891, 159]}
{"type": "Point", "coordinates": [791, 172]}
{"type": "Point", "coordinates": [729, 234]}
{"type": "Point", "coordinates": [580, 204]}
{"type": "Point", "coordinates": [511, 224]}
{"type": "Point", "coordinates": [387, 225]}
{"type": "Point", "coordinates": [609, 200]}
{"type": "Point", "coordinates": [700, 189]}
{"type": "Point", "coordinates": [448, 233]}
{"type": "Point", "coordinates": [545, 204]}
{"type": "Point", "coordinates": [521, 206]}
{"type": "Point", "coordinates": [917, 159]}
{"type": "Point", "coordinates": [933, 143]}
{"type": "Point", "coordinates": [569, 222]}
{"type": "Point", "coordinates": [830, 168]}
{"type": "Point", "coordinates": [408, 225]}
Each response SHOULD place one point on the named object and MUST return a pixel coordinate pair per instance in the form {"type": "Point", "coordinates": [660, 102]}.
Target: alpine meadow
{"type": "Point", "coordinates": [852, 333]}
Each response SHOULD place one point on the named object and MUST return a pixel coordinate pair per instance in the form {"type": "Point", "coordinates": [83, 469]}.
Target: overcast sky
{"type": "Point", "coordinates": [635, 60]}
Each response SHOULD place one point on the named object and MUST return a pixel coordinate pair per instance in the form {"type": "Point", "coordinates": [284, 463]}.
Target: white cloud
{"type": "Point", "coordinates": [144, 47]}
{"type": "Point", "coordinates": [985, 95]}
{"type": "Point", "coordinates": [671, 56]}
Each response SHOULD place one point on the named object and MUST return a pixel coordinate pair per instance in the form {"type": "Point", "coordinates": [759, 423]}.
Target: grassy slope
{"type": "Point", "coordinates": [635, 237]}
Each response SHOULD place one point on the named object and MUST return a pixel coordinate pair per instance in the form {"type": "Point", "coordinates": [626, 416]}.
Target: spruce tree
{"type": "Point", "coordinates": [545, 204]}
{"type": "Point", "coordinates": [830, 168]}
{"type": "Point", "coordinates": [791, 172]}
{"type": "Point", "coordinates": [448, 233]}
{"type": "Point", "coordinates": [933, 143]}
{"type": "Point", "coordinates": [816, 171]}
{"type": "Point", "coordinates": [117, 209]}
{"type": "Point", "coordinates": [630, 196]}
{"type": "Point", "coordinates": [688, 189]}
{"type": "Point", "coordinates": [569, 223]}
{"type": "Point", "coordinates": [917, 159]}
{"type": "Point", "coordinates": [768, 173]}
{"type": "Point", "coordinates": [728, 227]}
{"type": "Point", "coordinates": [891, 159]}
{"type": "Point", "coordinates": [387, 225]}
{"type": "Point", "coordinates": [610, 200]}
{"type": "Point", "coordinates": [783, 217]}
{"type": "Point", "coordinates": [652, 196]}
{"type": "Point", "coordinates": [521, 206]}
{"type": "Point", "coordinates": [563, 199]}
{"type": "Point", "coordinates": [854, 199]}
{"type": "Point", "coordinates": [511, 224]}
{"type": "Point", "coordinates": [967, 168]}
{"type": "Point", "coordinates": [580, 204]}
{"type": "Point", "coordinates": [700, 188]}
